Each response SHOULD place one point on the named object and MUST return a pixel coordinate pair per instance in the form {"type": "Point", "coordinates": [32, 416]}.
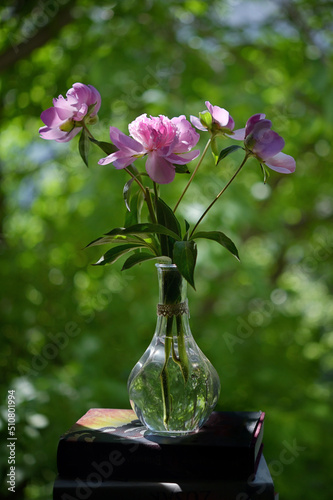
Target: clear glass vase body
{"type": "Point", "coordinates": [173, 388]}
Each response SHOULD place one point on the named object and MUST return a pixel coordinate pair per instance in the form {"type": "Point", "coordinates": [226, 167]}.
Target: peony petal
{"type": "Point", "coordinates": [61, 102]}
{"type": "Point", "coordinates": [122, 141]}
{"type": "Point", "coordinates": [187, 136]}
{"type": "Point", "coordinates": [138, 128]}
{"type": "Point", "coordinates": [51, 133]}
{"type": "Point", "coordinates": [123, 162]}
{"type": "Point", "coordinates": [209, 106]}
{"type": "Point", "coordinates": [95, 97]}
{"type": "Point", "coordinates": [183, 158]}
{"type": "Point", "coordinates": [197, 123]}
{"type": "Point", "coordinates": [65, 113]}
{"type": "Point", "coordinates": [80, 91]}
{"type": "Point", "coordinates": [69, 135]}
{"type": "Point", "coordinates": [252, 121]}
{"type": "Point", "coordinates": [220, 115]}
{"type": "Point", "coordinates": [51, 118]}
{"type": "Point", "coordinates": [81, 113]}
{"type": "Point", "coordinates": [231, 123]}
{"type": "Point", "coordinates": [267, 144]}
{"type": "Point", "coordinates": [260, 126]}
{"type": "Point", "coordinates": [64, 107]}
{"type": "Point", "coordinates": [58, 135]}
{"type": "Point", "coordinates": [238, 135]}
{"type": "Point", "coordinates": [184, 146]}
{"type": "Point", "coordinates": [285, 164]}
{"type": "Point", "coordinates": [178, 119]}
{"type": "Point", "coordinates": [159, 169]}
{"type": "Point", "coordinates": [118, 155]}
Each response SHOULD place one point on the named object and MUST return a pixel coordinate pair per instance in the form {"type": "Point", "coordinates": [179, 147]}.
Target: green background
{"type": "Point", "coordinates": [72, 332]}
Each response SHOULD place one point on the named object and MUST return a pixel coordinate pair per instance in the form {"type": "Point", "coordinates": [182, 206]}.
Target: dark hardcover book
{"type": "Point", "coordinates": [259, 488]}
{"type": "Point", "coordinates": [114, 445]}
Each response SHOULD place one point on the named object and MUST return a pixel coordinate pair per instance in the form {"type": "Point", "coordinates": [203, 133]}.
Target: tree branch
{"type": "Point", "coordinates": [25, 47]}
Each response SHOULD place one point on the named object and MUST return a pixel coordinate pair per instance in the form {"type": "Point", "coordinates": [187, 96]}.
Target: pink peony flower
{"type": "Point", "coordinates": [63, 119]}
{"type": "Point", "coordinates": [216, 120]}
{"type": "Point", "coordinates": [265, 144]}
{"type": "Point", "coordinates": [165, 142]}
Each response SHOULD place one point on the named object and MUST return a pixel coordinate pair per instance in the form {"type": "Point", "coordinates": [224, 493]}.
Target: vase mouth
{"type": "Point", "coordinates": [165, 266]}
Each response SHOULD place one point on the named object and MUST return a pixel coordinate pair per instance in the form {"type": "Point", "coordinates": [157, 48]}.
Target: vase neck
{"type": "Point", "coordinates": [172, 308]}
{"type": "Point", "coordinates": [172, 286]}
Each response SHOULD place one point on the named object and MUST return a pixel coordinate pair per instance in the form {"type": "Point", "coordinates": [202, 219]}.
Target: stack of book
{"type": "Point", "coordinates": [108, 454]}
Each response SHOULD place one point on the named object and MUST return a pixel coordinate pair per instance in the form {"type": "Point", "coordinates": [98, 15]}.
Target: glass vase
{"type": "Point", "coordinates": [173, 388]}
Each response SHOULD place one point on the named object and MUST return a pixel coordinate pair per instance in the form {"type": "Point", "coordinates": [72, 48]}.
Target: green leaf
{"type": "Point", "coordinates": [107, 147]}
{"type": "Point", "coordinates": [185, 256]}
{"type": "Point", "coordinates": [115, 253]}
{"type": "Point", "coordinates": [134, 206]}
{"type": "Point", "coordinates": [167, 218]}
{"type": "Point", "coordinates": [227, 151]}
{"type": "Point", "coordinates": [137, 258]}
{"type": "Point", "coordinates": [187, 230]}
{"type": "Point", "coordinates": [115, 239]}
{"type": "Point", "coordinates": [220, 238]}
{"type": "Point", "coordinates": [144, 228]}
{"type": "Point", "coordinates": [265, 172]}
{"type": "Point", "coordinates": [127, 192]}
{"type": "Point", "coordinates": [127, 189]}
{"type": "Point", "coordinates": [84, 146]}
{"type": "Point", "coordinates": [214, 148]}
{"type": "Point", "coordinates": [182, 169]}
{"type": "Point", "coordinates": [91, 108]}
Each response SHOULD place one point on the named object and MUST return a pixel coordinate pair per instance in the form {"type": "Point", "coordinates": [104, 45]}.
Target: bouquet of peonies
{"type": "Point", "coordinates": [168, 146]}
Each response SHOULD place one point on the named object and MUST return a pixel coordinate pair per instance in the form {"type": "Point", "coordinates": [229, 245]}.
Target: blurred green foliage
{"type": "Point", "coordinates": [72, 332]}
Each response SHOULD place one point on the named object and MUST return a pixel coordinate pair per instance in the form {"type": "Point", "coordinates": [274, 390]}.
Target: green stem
{"type": "Point", "coordinates": [146, 194]}
{"type": "Point", "coordinates": [193, 174]}
{"type": "Point", "coordinates": [166, 397]}
{"type": "Point", "coordinates": [136, 180]}
{"type": "Point", "coordinates": [152, 246]}
{"type": "Point", "coordinates": [182, 359]}
{"type": "Point", "coordinates": [156, 194]}
{"type": "Point", "coordinates": [87, 130]}
{"type": "Point", "coordinates": [161, 238]}
{"type": "Point", "coordinates": [220, 193]}
{"type": "Point", "coordinates": [150, 206]}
